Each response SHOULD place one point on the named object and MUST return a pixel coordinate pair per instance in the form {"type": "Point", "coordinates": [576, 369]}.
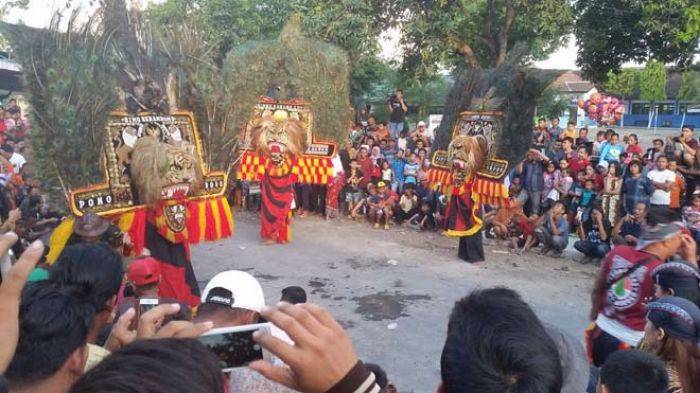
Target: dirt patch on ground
{"type": "Point", "coordinates": [384, 305]}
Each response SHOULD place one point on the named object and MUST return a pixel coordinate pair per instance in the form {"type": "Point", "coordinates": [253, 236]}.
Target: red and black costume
{"type": "Point", "coordinates": [277, 190]}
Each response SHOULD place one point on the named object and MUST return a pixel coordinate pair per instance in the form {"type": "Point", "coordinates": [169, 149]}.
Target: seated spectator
{"type": "Point", "coordinates": [581, 161]}
{"type": "Point", "coordinates": [157, 366]}
{"type": "Point", "coordinates": [522, 237]}
{"type": "Point", "coordinates": [672, 332]}
{"type": "Point", "coordinates": [594, 235]}
{"type": "Point", "coordinates": [622, 287]}
{"type": "Point", "coordinates": [408, 205]}
{"type": "Point", "coordinates": [677, 278]}
{"type": "Point", "coordinates": [496, 343]}
{"type": "Point", "coordinates": [382, 132]}
{"type": "Point", "coordinates": [686, 145]}
{"type": "Point", "coordinates": [421, 134]}
{"type": "Point", "coordinates": [600, 140]}
{"type": "Point", "coordinates": [629, 228]}
{"type": "Point", "coordinates": [52, 349]}
{"type": "Point", "coordinates": [553, 231]}
{"type": "Point", "coordinates": [633, 372]}
{"type": "Point", "coordinates": [423, 220]}
{"type": "Point", "coordinates": [584, 203]}
{"type": "Point", "coordinates": [633, 147]}
{"type": "Point", "coordinates": [387, 172]}
{"type": "Point", "coordinates": [364, 202]}
{"type": "Point", "coordinates": [293, 295]}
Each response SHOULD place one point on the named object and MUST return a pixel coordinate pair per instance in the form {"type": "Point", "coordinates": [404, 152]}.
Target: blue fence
{"type": "Point", "coordinates": [671, 121]}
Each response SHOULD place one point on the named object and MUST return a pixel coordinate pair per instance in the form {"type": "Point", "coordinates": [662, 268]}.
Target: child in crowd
{"type": "Point", "coordinates": [411, 169]}
{"type": "Point", "coordinates": [364, 202]}
{"type": "Point", "coordinates": [522, 236]}
{"type": "Point", "coordinates": [599, 142]}
{"type": "Point", "coordinates": [353, 192]}
{"type": "Point", "coordinates": [582, 136]}
{"type": "Point", "coordinates": [633, 145]}
{"type": "Point", "coordinates": [515, 186]}
{"type": "Point", "coordinates": [387, 173]}
{"type": "Point", "coordinates": [402, 142]}
{"type": "Point", "coordinates": [378, 208]}
{"type": "Point", "coordinates": [397, 166]}
{"type": "Point", "coordinates": [588, 196]}
{"type": "Point", "coordinates": [408, 204]}
{"type": "Point", "coordinates": [551, 176]}
{"type": "Point", "coordinates": [424, 219]}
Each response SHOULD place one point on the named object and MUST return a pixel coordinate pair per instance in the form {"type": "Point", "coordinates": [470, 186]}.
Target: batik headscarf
{"type": "Point", "coordinates": [680, 276]}
{"type": "Point", "coordinates": [679, 317]}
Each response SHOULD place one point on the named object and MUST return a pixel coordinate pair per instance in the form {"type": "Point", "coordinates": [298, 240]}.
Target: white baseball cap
{"type": "Point", "coordinates": [236, 289]}
{"type": "Point", "coordinates": [421, 123]}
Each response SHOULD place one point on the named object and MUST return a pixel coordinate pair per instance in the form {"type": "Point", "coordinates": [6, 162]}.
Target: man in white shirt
{"type": "Point", "coordinates": [17, 160]}
{"type": "Point", "coordinates": [663, 180]}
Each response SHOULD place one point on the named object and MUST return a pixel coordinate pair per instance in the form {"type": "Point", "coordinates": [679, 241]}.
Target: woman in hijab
{"type": "Point", "coordinates": [673, 333]}
{"type": "Point", "coordinates": [678, 278]}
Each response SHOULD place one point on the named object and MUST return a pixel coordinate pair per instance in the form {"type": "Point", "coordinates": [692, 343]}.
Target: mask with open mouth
{"type": "Point", "coordinates": [466, 154]}
{"type": "Point", "coordinates": [163, 171]}
{"type": "Point", "coordinates": [277, 138]}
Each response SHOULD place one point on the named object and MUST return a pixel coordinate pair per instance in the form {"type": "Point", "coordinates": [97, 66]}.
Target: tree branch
{"type": "Point", "coordinates": [503, 33]}
{"type": "Point", "coordinates": [466, 51]}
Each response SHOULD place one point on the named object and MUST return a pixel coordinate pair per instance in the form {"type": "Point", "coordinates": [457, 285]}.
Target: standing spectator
{"type": "Point", "coordinates": [411, 169]}
{"type": "Point", "coordinates": [610, 198]}
{"type": "Point", "coordinates": [402, 141]}
{"type": "Point", "coordinates": [553, 231]}
{"type": "Point", "coordinates": [421, 133]}
{"type": "Point", "coordinates": [677, 278]}
{"type": "Point", "coordinates": [672, 332]}
{"type": "Point", "coordinates": [17, 160]}
{"type": "Point", "coordinates": [635, 188]}
{"type": "Point", "coordinates": [540, 136]}
{"type": "Point", "coordinates": [334, 190]}
{"type": "Point", "coordinates": [366, 166]}
{"type": "Point", "coordinates": [555, 132]}
{"type": "Point", "coordinates": [623, 285]}
{"type": "Point", "coordinates": [594, 235]}
{"type": "Point", "coordinates": [581, 161]}
{"type": "Point", "coordinates": [677, 190]}
{"type": "Point", "coordinates": [382, 133]}
{"type": "Point", "coordinates": [556, 151]}
{"type": "Point", "coordinates": [552, 176]}
{"type": "Point", "coordinates": [531, 171]}
{"type": "Point", "coordinates": [612, 149]}
{"type": "Point", "coordinates": [654, 152]}
{"type": "Point", "coordinates": [397, 166]}
{"type": "Point", "coordinates": [599, 142]}
{"type": "Point", "coordinates": [353, 193]}
{"type": "Point", "coordinates": [633, 371]}
{"type": "Point", "coordinates": [570, 131]}
{"type": "Point", "coordinates": [633, 146]}
{"type": "Point", "coordinates": [397, 108]}
{"type": "Point", "coordinates": [691, 215]}
{"type": "Point", "coordinates": [567, 145]}
{"type": "Point", "coordinates": [663, 180]}
{"type": "Point", "coordinates": [387, 172]}
{"type": "Point", "coordinates": [582, 139]}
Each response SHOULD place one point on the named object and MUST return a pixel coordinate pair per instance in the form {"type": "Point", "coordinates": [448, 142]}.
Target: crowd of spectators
{"type": "Point", "coordinates": [77, 325]}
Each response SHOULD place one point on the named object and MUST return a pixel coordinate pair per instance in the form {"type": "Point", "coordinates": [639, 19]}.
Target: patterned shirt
{"type": "Point", "coordinates": [636, 190]}
{"type": "Point", "coordinates": [533, 176]}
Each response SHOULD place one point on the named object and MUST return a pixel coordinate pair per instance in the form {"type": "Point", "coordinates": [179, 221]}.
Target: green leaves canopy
{"type": "Point", "coordinates": [612, 32]}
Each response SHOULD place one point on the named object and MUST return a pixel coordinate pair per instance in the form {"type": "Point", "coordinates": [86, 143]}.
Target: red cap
{"type": "Point", "coordinates": [143, 271]}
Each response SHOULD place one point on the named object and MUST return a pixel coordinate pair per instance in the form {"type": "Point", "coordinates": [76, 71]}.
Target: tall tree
{"type": "Point", "coordinates": [623, 83]}
{"type": "Point", "coordinates": [690, 86]}
{"type": "Point", "coordinates": [612, 32]}
{"type": "Point", "coordinates": [480, 33]}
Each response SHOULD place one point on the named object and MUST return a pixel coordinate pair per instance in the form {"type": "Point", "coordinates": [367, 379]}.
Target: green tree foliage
{"type": "Point", "coordinates": [612, 32]}
{"type": "Point", "coordinates": [552, 104]}
{"type": "Point", "coordinates": [480, 33]}
{"type": "Point", "coordinates": [652, 82]}
{"type": "Point", "coordinates": [353, 25]}
{"type": "Point", "coordinates": [690, 86]}
{"type": "Point", "coordinates": [222, 97]}
{"type": "Point", "coordinates": [71, 89]}
{"type": "Point", "coordinates": [623, 83]}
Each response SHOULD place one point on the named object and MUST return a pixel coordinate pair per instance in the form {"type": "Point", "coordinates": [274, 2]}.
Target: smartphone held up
{"type": "Point", "coordinates": [234, 346]}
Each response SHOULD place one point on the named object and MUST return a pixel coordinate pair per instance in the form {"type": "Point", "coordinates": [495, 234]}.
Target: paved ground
{"type": "Point", "coordinates": [393, 290]}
